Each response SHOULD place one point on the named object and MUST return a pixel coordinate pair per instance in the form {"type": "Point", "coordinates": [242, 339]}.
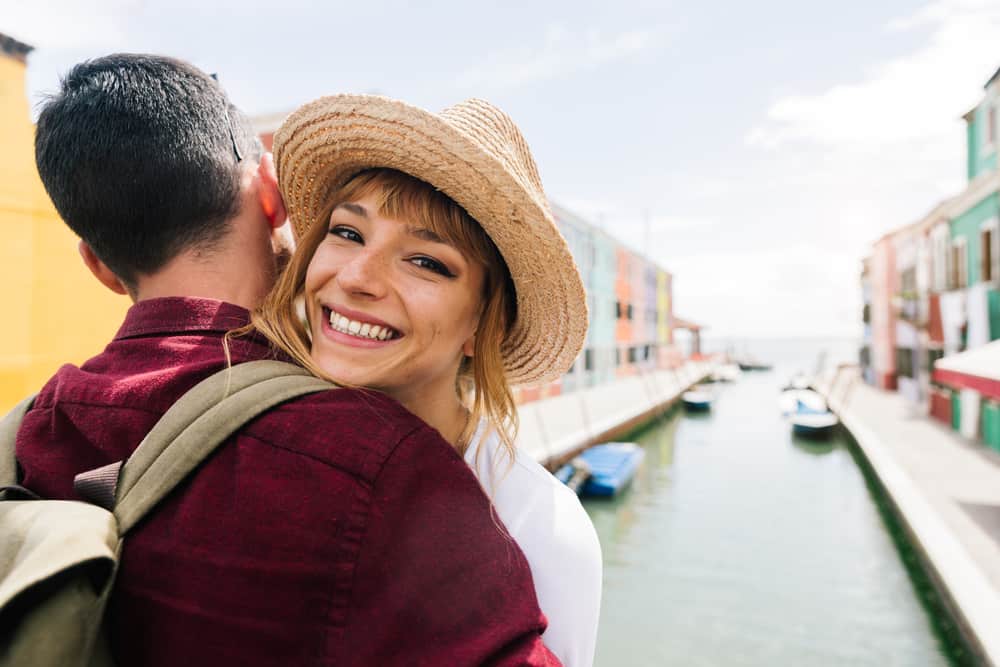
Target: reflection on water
{"type": "Point", "coordinates": [815, 446]}
{"type": "Point", "coordinates": [739, 545]}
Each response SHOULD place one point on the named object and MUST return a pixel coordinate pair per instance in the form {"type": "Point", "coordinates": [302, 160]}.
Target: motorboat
{"type": "Point", "coordinates": [697, 400]}
{"type": "Point", "coordinates": [792, 400]}
{"type": "Point", "coordinates": [727, 373]}
{"type": "Point", "coordinates": [813, 424]}
{"type": "Point", "coordinates": [612, 467]}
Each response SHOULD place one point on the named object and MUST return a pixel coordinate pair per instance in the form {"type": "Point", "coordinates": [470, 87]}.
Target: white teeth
{"type": "Point", "coordinates": [360, 329]}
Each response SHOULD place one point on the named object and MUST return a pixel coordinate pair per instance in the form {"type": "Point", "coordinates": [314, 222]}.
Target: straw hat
{"type": "Point", "coordinates": [473, 153]}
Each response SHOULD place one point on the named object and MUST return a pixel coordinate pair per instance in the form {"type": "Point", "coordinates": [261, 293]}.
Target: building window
{"type": "Point", "coordinates": [991, 125]}
{"type": "Point", "coordinates": [629, 311]}
{"type": "Point", "coordinates": [904, 362]}
{"type": "Point", "coordinates": [959, 266]}
{"type": "Point", "coordinates": [588, 359]}
{"type": "Point", "coordinates": [933, 354]}
{"type": "Point", "coordinates": [631, 355]}
{"type": "Point", "coordinates": [940, 258]}
{"type": "Point", "coordinates": [989, 261]}
{"type": "Point", "coordinates": [618, 356]}
{"type": "Point", "coordinates": [618, 310]}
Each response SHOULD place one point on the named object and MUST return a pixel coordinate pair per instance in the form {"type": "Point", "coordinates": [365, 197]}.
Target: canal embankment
{"type": "Point", "coordinates": [555, 429]}
{"type": "Point", "coordinates": [946, 492]}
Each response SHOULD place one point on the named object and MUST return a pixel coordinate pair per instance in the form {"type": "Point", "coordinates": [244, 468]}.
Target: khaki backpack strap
{"type": "Point", "coordinates": [8, 435]}
{"type": "Point", "coordinates": [197, 423]}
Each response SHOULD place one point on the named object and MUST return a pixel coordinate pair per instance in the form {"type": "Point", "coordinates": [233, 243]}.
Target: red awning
{"type": "Point", "coordinates": [978, 368]}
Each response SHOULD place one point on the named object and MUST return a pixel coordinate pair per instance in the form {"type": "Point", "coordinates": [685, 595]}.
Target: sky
{"type": "Point", "coordinates": [755, 150]}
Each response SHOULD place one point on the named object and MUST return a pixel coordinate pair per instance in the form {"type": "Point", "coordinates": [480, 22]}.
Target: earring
{"type": "Point", "coordinates": [300, 312]}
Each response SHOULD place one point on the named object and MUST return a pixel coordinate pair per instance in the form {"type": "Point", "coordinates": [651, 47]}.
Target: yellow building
{"type": "Point", "coordinates": [54, 311]}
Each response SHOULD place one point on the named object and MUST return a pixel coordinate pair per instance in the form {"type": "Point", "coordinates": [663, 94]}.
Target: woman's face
{"type": "Point", "coordinates": [391, 306]}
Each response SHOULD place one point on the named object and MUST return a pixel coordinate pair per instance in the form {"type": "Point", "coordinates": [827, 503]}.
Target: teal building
{"type": "Point", "coordinates": [973, 263]}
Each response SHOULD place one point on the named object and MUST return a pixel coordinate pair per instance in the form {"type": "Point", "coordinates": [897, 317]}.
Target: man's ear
{"type": "Point", "coordinates": [101, 270]}
{"type": "Point", "coordinates": [268, 194]}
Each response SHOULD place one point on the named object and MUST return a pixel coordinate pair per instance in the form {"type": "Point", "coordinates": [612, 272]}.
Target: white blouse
{"type": "Point", "coordinates": [557, 537]}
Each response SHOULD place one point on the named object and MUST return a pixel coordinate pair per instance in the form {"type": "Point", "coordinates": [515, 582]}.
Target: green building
{"type": "Point", "coordinates": [974, 254]}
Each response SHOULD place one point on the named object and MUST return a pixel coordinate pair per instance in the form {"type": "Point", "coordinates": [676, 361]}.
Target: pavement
{"type": "Point", "coordinates": [947, 490]}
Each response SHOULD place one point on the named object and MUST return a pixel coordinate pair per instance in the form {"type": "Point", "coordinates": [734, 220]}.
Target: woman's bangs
{"type": "Point", "coordinates": [402, 197]}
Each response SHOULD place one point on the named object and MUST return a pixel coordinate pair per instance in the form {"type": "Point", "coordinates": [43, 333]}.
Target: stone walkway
{"type": "Point", "coordinates": [947, 489]}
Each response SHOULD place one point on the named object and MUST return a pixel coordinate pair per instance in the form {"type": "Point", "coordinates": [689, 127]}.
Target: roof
{"type": "Point", "coordinates": [978, 368]}
{"type": "Point", "coordinates": [993, 78]}
{"type": "Point", "coordinates": [267, 123]}
{"type": "Point", "coordinates": [13, 48]}
{"type": "Point", "coordinates": [938, 214]}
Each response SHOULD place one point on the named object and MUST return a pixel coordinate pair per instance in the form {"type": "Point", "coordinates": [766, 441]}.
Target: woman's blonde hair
{"type": "Point", "coordinates": [482, 383]}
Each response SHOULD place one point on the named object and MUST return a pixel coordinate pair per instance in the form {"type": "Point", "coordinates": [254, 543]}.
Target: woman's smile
{"type": "Point", "coordinates": [356, 325]}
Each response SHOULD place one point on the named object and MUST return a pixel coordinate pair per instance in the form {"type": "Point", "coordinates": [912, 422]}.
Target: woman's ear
{"type": "Point", "coordinates": [469, 346]}
{"type": "Point", "coordinates": [100, 270]}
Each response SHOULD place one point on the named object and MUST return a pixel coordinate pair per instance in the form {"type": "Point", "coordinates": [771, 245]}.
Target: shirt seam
{"type": "Point", "coordinates": [348, 591]}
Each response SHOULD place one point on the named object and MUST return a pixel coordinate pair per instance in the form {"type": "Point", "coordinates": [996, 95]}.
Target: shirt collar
{"type": "Point", "coordinates": [174, 315]}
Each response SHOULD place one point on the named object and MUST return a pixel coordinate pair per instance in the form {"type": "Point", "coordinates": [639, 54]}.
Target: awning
{"type": "Point", "coordinates": [978, 368]}
{"type": "Point", "coordinates": [678, 323]}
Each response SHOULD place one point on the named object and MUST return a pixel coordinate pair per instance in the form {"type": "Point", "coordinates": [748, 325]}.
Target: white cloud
{"type": "Point", "coordinates": [914, 100]}
{"type": "Point", "coordinates": [773, 246]}
{"type": "Point", "coordinates": [562, 52]}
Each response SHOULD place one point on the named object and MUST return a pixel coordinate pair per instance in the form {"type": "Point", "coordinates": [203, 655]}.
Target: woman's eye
{"type": "Point", "coordinates": [346, 233]}
{"type": "Point", "coordinates": [432, 265]}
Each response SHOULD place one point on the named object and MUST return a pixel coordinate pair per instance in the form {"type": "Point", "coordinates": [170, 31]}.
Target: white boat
{"type": "Point", "coordinates": [798, 381]}
{"type": "Point", "coordinates": [794, 400]}
{"type": "Point", "coordinates": [813, 424]}
{"type": "Point", "coordinates": [697, 400]}
{"type": "Point", "coordinates": [727, 373]}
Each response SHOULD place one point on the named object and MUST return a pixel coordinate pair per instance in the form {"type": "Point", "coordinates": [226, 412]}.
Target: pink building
{"type": "Point", "coordinates": [885, 286]}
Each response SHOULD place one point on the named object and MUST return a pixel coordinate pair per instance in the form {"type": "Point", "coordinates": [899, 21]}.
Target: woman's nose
{"type": "Point", "coordinates": [365, 274]}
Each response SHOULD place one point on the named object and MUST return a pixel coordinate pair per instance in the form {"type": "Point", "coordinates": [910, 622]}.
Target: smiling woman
{"type": "Point", "coordinates": [429, 268]}
{"type": "Point", "coordinates": [402, 289]}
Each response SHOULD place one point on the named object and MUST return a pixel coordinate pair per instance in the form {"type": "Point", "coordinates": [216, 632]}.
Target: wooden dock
{"type": "Point", "coordinates": [555, 429]}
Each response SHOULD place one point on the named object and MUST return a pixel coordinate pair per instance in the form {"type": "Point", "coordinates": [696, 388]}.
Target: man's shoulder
{"type": "Point", "coordinates": [357, 429]}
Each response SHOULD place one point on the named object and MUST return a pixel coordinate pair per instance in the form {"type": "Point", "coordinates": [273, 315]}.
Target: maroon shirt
{"type": "Point", "coordinates": [336, 529]}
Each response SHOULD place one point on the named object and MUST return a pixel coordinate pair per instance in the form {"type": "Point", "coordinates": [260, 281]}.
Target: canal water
{"type": "Point", "coordinates": [738, 544]}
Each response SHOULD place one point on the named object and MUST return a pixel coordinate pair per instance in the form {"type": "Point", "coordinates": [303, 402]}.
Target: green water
{"type": "Point", "coordinates": [740, 545]}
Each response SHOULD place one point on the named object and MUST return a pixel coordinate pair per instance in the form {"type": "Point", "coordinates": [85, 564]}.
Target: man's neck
{"type": "Point", "coordinates": [240, 273]}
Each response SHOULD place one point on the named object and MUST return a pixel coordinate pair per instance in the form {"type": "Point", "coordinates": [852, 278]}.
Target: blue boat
{"type": "Point", "coordinates": [812, 421]}
{"type": "Point", "coordinates": [612, 467]}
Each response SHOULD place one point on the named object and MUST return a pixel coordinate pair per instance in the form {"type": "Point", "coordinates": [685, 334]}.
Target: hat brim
{"type": "Point", "coordinates": [323, 144]}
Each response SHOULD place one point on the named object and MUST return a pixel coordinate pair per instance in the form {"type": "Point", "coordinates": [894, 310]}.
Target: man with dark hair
{"type": "Point", "coordinates": [330, 504]}
{"type": "Point", "coordinates": [149, 163]}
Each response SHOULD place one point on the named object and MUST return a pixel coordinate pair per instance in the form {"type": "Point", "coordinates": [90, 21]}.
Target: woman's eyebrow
{"type": "Point", "coordinates": [425, 234]}
{"type": "Point", "coordinates": [356, 209]}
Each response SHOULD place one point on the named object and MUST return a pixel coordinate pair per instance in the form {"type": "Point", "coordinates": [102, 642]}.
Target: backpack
{"type": "Point", "coordinates": [58, 558]}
